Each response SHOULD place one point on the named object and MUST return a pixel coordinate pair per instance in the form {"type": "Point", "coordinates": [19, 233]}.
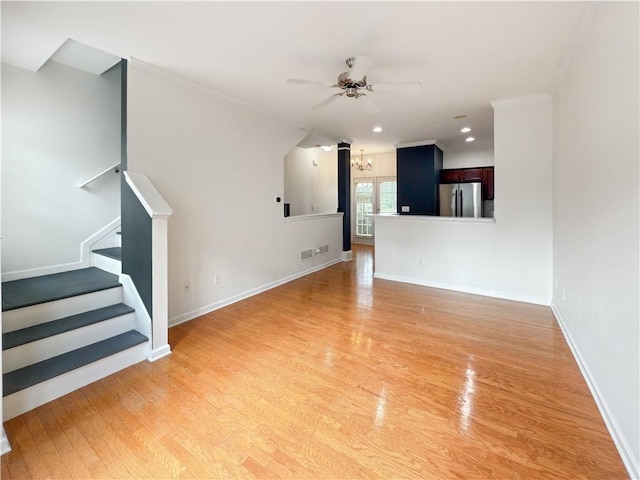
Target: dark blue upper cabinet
{"type": "Point", "coordinates": [418, 172]}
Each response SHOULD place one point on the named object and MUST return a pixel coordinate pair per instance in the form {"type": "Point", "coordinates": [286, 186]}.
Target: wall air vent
{"type": "Point", "coordinates": [306, 255]}
{"type": "Point", "coordinates": [322, 249]}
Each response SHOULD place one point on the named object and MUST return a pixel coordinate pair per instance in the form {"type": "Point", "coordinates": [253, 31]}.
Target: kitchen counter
{"type": "Point", "coordinates": [429, 218]}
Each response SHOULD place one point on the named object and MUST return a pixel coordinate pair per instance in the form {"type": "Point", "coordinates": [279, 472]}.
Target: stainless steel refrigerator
{"type": "Point", "coordinates": [460, 199]}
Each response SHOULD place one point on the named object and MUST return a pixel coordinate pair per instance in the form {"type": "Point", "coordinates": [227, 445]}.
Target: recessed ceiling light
{"type": "Point", "coordinates": [465, 130]}
{"type": "Point", "coordinates": [469, 139]}
{"type": "Point", "coordinates": [377, 129]}
{"type": "Point", "coordinates": [326, 148]}
{"type": "Point", "coordinates": [459, 117]}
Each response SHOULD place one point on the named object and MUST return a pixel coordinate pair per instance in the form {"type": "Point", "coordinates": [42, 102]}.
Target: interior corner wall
{"type": "Point", "coordinates": [60, 127]}
{"type": "Point", "coordinates": [220, 166]}
{"type": "Point", "coordinates": [596, 217]}
{"type": "Point", "coordinates": [311, 181]}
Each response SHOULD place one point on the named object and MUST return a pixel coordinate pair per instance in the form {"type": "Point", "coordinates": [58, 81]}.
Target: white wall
{"type": "Point", "coordinates": [596, 212]}
{"type": "Point", "coordinates": [475, 154]}
{"type": "Point", "coordinates": [220, 166]}
{"type": "Point", "coordinates": [508, 258]}
{"type": "Point", "coordinates": [310, 188]}
{"type": "Point", "coordinates": [60, 126]}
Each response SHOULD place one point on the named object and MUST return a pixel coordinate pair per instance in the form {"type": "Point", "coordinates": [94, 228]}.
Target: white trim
{"type": "Point", "coordinates": [417, 144]}
{"type": "Point", "coordinates": [160, 284]}
{"type": "Point", "coordinates": [38, 272]}
{"type": "Point", "coordinates": [507, 102]}
{"type": "Point", "coordinates": [84, 262]}
{"type": "Point", "coordinates": [45, 312]}
{"type": "Point", "coordinates": [155, 205]}
{"type": "Point", "coordinates": [632, 465]}
{"type": "Point", "coordinates": [464, 289]}
{"type": "Point", "coordinates": [249, 293]}
{"type": "Point", "coordinates": [5, 447]}
{"type": "Point", "coordinates": [425, 218]}
{"type": "Point", "coordinates": [97, 176]}
{"type": "Point", "coordinates": [313, 216]}
{"type": "Point", "coordinates": [347, 256]}
{"type": "Point", "coordinates": [87, 245]}
{"type": "Point", "coordinates": [36, 351]}
{"type": "Point", "coordinates": [158, 353]}
{"type": "Point", "coordinates": [25, 400]}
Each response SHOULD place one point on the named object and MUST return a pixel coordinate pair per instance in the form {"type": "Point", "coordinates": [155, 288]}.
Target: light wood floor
{"type": "Point", "coordinates": [335, 375]}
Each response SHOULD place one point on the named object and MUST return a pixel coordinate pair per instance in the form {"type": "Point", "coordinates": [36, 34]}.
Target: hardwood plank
{"type": "Point", "coordinates": [335, 375]}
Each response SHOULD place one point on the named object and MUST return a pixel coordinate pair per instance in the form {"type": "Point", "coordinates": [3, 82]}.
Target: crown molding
{"type": "Point", "coordinates": [416, 144]}
{"type": "Point", "coordinates": [542, 97]}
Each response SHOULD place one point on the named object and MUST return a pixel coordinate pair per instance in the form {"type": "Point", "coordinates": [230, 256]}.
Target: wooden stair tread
{"type": "Point", "coordinates": [47, 369]}
{"type": "Point", "coordinates": [32, 291]}
{"type": "Point", "coordinates": [56, 327]}
{"type": "Point", "coordinates": [112, 252]}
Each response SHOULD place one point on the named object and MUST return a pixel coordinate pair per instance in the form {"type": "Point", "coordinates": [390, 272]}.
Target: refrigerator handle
{"type": "Point", "coordinates": [460, 207]}
{"type": "Point", "coordinates": [454, 202]}
{"type": "Point", "coordinates": [456, 194]}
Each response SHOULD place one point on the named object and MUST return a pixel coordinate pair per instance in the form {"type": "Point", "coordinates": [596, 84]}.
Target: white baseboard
{"type": "Point", "coordinates": [87, 245]}
{"type": "Point", "coordinates": [626, 453]}
{"type": "Point", "coordinates": [40, 271]}
{"type": "Point", "coordinates": [465, 289]}
{"type": "Point", "coordinates": [185, 317]}
{"type": "Point", "coordinates": [158, 353]}
{"type": "Point", "coordinates": [5, 447]}
{"type": "Point", "coordinates": [83, 262]}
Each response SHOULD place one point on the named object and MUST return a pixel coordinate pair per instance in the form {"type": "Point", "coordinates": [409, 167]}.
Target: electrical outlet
{"type": "Point", "coordinates": [420, 260]}
{"type": "Point", "coordinates": [187, 287]}
{"type": "Point", "coordinates": [217, 278]}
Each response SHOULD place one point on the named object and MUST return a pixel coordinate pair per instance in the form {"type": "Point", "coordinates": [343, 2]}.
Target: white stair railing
{"type": "Point", "coordinates": [159, 211]}
{"type": "Point", "coordinates": [115, 168]}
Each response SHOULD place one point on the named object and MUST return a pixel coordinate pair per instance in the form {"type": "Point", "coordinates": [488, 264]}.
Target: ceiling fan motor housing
{"type": "Point", "coordinates": [345, 81]}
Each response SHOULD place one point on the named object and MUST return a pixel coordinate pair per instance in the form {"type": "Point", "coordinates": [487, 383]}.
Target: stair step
{"type": "Point", "coordinates": [36, 290]}
{"type": "Point", "coordinates": [47, 369]}
{"type": "Point", "coordinates": [112, 252]}
{"type": "Point", "coordinates": [56, 327]}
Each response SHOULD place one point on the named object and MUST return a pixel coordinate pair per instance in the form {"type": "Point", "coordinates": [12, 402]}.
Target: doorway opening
{"type": "Point", "coordinates": [371, 195]}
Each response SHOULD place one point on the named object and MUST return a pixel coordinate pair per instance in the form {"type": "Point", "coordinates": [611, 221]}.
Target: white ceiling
{"type": "Point", "coordinates": [465, 54]}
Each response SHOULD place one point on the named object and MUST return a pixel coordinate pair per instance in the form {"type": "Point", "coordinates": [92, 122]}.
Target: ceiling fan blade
{"type": "Point", "coordinates": [369, 105]}
{"type": "Point", "coordinates": [302, 81]}
{"type": "Point", "coordinates": [360, 67]}
{"type": "Point", "coordinates": [404, 87]}
{"type": "Point", "coordinates": [327, 101]}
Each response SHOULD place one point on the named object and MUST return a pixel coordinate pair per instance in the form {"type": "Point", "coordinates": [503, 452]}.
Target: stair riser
{"type": "Point", "coordinates": [107, 264]}
{"type": "Point", "coordinates": [32, 397]}
{"type": "Point", "coordinates": [34, 352]}
{"type": "Point", "coordinates": [46, 312]}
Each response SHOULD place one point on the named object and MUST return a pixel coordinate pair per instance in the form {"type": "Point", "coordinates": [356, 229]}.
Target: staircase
{"type": "Point", "coordinates": [63, 331]}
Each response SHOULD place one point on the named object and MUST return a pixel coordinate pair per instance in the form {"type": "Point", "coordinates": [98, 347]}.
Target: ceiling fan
{"type": "Point", "coordinates": [353, 84]}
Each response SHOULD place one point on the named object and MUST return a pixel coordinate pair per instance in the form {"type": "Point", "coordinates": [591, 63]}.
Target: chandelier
{"type": "Point", "coordinates": [360, 164]}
